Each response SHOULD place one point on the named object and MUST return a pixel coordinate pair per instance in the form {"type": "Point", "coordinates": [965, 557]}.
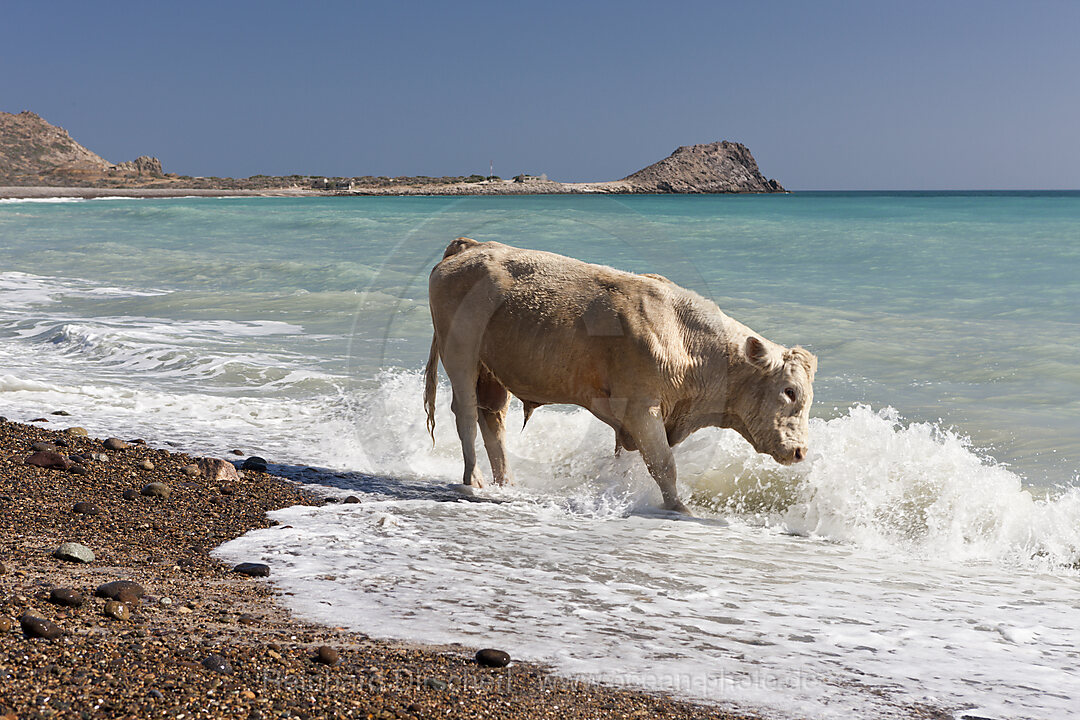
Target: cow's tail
{"type": "Point", "coordinates": [431, 372]}
{"type": "Point", "coordinates": [431, 386]}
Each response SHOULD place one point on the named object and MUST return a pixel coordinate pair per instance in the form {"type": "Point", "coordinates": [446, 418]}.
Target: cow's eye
{"type": "Point", "coordinates": [790, 392]}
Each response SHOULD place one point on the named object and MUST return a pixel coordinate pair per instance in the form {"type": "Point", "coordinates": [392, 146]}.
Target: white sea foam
{"type": "Point", "coordinates": [895, 567]}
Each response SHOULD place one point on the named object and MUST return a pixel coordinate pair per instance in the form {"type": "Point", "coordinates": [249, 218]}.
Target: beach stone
{"type": "Point", "coordinates": [3, 569]}
{"type": "Point", "coordinates": [66, 597]}
{"type": "Point", "coordinates": [60, 442]}
{"type": "Point", "coordinates": [117, 610]}
{"type": "Point", "coordinates": [237, 452]}
{"type": "Point", "coordinates": [130, 495]}
{"type": "Point", "coordinates": [114, 444]}
{"type": "Point", "coordinates": [77, 469]}
{"type": "Point", "coordinates": [328, 655]}
{"type": "Point", "coordinates": [137, 441]}
{"type": "Point", "coordinates": [155, 693]}
{"type": "Point", "coordinates": [36, 627]}
{"type": "Point", "coordinates": [252, 569]}
{"type": "Point", "coordinates": [99, 457]}
{"type": "Point", "coordinates": [76, 431]}
{"type": "Point", "coordinates": [254, 463]}
{"type": "Point", "coordinates": [40, 420]}
{"type": "Point", "coordinates": [491, 658]}
{"type": "Point", "coordinates": [156, 489]}
{"type": "Point", "coordinates": [214, 469]}
{"type": "Point", "coordinates": [5, 624]}
{"type": "Point", "coordinates": [351, 500]}
{"type": "Point", "coordinates": [79, 459]}
{"type": "Point", "coordinates": [74, 552]}
{"type": "Point", "coordinates": [217, 664]}
{"type": "Point", "coordinates": [48, 460]}
{"type": "Point", "coordinates": [85, 508]}
{"type": "Point", "coordinates": [43, 446]}
{"type": "Point", "coordinates": [146, 465]}
{"type": "Point", "coordinates": [435, 684]}
{"type": "Point", "coordinates": [190, 470]}
{"type": "Point", "coordinates": [125, 591]}
{"type": "Point", "coordinates": [62, 413]}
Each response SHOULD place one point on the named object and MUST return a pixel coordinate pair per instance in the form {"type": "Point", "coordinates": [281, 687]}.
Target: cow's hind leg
{"type": "Point", "coordinates": [647, 430]}
{"type": "Point", "coordinates": [464, 406]}
{"type": "Point", "coordinates": [493, 401]}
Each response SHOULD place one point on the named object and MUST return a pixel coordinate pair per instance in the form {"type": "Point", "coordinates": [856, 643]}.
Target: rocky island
{"type": "Point", "coordinates": [40, 159]}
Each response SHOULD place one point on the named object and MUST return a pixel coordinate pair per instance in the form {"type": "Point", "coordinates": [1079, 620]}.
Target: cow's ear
{"type": "Point", "coordinates": [758, 353]}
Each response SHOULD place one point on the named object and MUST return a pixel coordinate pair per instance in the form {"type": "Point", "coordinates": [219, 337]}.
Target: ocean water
{"type": "Point", "coordinates": [926, 552]}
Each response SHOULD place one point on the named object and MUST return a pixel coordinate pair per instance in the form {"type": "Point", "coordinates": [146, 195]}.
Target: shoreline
{"type": "Point", "coordinates": [154, 662]}
{"type": "Point", "coordinates": [501, 188]}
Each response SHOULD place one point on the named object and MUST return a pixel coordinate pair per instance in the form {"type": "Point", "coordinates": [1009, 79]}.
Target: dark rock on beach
{"type": "Point", "coordinates": [252, 569]}
{"type": "Point", "coordinates": [66, 597]}
{"type": "Point", "coordinates": [35, 627]}
{"type": "Point", "coordinates": [117, 610]}
{"type": "Point", "coordinates": [76, 431]}
{"type": "Point", "coordinates": [114, 444]}
{"type": "Point", "coordinates": [492, 658]}
{"type": "Point", "coordinates": [125, 591]}
{"type": "Point", "coordinates": [85, 508]}
{"type": "Point", "coordinates": [328, 655]}
{"type": "Point", "coordinates": [49, 460]}
{"type": "Point", "coordinates": [255, 464]}
{"type": "Point", "coordinates": [157, 489]}
{"type": "Point", "coordinates": [131, 494]}
{"type": "Point", "coordinates": [218, 664]}
{"type": "Point", "coordinates": [42, 446]}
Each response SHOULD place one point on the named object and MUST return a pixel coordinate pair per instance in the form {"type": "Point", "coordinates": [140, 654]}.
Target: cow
{"type": "Point", "coordinates": [652, 360]}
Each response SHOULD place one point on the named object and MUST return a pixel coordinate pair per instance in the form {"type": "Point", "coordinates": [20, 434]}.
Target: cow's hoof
{"type": "Point", "coordinates": [678, 507]}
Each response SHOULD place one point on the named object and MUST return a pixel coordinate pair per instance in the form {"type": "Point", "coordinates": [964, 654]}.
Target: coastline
{"type": "Point", "coordinates": [493, 188]}
{"type": "Point", "coordinates": [154, 662]}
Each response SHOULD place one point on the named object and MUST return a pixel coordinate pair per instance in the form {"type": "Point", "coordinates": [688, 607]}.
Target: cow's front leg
{"type": "Point", "coordinates": [651, 438]}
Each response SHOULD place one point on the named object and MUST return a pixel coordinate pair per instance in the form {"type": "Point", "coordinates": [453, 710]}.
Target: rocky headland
{"type": "Point", "coordinates": [38, 159]}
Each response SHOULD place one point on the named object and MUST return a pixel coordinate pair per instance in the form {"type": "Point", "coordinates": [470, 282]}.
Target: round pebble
{"type": "Point", "coordinates": [131, 495]}
{"type": "Point", "coordinates": [42, 446]}
{"type": "Point", "coordinates": [114, 444]}
{"type": "Point", "coordinates": [156, 489]}
{"type": "Point", "coordinates": [5, 624]}
{"type": "Point", "coordinates": [85, 508]}
{"type": "Point", "coordinates": [76, 431]}
{"type": "Point", "coordinates": [492, 658]}
{"type": "Point", "coordinates": [190, 470]}
{"type": "Point", "coordinates": [62, 413]}
{"type": "Point", "coordinates": [328, 655]}
{"type": "Point", "coordinates": [146, 465]}
{"type": "Point", "coordinates": [118, 610]}
{"type": "Point", "coordinates": [237, 452]}
{"type": "Point", "coordinates": [77, 469]}
{"type": "Point", "coordinates": [36, 627]}
{"type": "Point", "coordinates": [253, 569]}
{"type": "Point", "coordinates": [435, 684]}
{"type": "Point", "coordinates": [66, 597]}
{"type": "Point", "coordinates": [254, 463]}
{"type": "Point", "coordinates": [351, 500]}
{"type": "Point", "coordinates": [217, 664]}
{"type": "Point", "coordinates": [123, 590]}
{"type": "Point", "coordinates": [74, 552]}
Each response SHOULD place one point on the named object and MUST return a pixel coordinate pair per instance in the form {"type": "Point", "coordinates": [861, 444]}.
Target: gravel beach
{"type": "Point", "coordinates": [188, 637]}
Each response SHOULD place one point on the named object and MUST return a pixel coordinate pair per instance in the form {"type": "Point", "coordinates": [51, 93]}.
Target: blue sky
{"type": "Point", "coordinates": [827, 95]}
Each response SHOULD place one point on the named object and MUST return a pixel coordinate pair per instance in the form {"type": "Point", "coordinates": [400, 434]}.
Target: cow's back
{"type": "Point", "coordinates": [554, 329]}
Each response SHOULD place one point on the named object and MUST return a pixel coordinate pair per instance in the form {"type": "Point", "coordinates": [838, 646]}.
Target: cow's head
{"type": "Point", "coordinates": [774, 402]}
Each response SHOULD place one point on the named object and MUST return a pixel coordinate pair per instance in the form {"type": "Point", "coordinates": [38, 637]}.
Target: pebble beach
{"type": "Point", "coordinates": [183, 635]}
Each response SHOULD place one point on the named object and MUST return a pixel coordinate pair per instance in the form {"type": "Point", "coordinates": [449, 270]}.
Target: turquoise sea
{"type": "Point", "coordinates": [937, 518]}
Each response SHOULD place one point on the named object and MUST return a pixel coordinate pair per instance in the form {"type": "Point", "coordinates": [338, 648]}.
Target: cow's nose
{"type": "Point", "coordinates": [800, 453]}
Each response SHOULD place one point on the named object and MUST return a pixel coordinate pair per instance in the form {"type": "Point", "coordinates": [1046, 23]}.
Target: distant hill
{"type": "Point", "coordinates": [33, 151]}
{"type": "Point", "coordinates": [719, 167]}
